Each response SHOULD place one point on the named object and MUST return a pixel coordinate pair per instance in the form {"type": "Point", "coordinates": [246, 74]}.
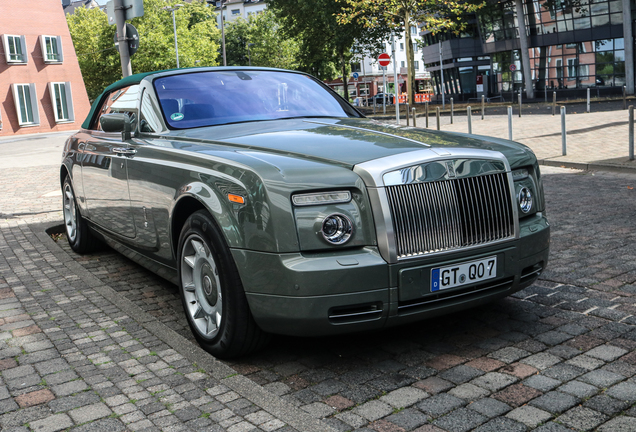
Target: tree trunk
{"type": "Point", "coordinates": [343, 66]}
{"type": "Point", "coordinates": [410, 59]}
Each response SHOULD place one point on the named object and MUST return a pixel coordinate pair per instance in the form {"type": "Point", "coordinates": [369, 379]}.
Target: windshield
{"type": "Point", "coordinates": [215, 98]}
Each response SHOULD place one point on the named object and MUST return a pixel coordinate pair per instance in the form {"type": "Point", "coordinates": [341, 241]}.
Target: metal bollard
{"type": "Point", "coordinates": [510, 123]}
{"type": "Point", "coordinates": [564, 139]}
{"type": "Point", "coordinates": [414, 122]}
{"type": "Point", "coordinates": [553, 103]}
{"type": "Point", "coordinates": [483, 106]}
{"type": "Point", "coordinates": [588, 99]}
{"type": "Point", "coordinates": [624, 97]}
{"type": "Point", "coordinates": [631, 132]}
{"type": "Point", "coordinates": [373, 104]}
{"type": "Point", "coordinates": [408, 112]}
{"type": "Point", "coordinates": [519, 97]}
{"type": "Point", "coordinates": [470, 119]}
{"type": "Point", "coordinates": [426, 109]}
{"type": "Point", "coordinates": [452, 110]}
{"type": "Point", "coordinates": [437, 113]}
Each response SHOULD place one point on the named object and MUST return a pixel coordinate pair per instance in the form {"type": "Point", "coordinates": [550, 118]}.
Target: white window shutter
{"type": "Point", "coordinates": [25, 55]}
{"type": "Point", "coordinates": [34, 104]}
{"type": "Point", "coordinates": [5, 42]}
{"type": "Point", "coordinates": [59, 49]}
{"type": "Point", "coordinates": [43, 47]}
{"type": "Point", "coordinates": [69, 101]}
{"type": "Point", "coordinates": [53, 101]}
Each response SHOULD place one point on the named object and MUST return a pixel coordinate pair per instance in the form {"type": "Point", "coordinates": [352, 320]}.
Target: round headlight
{"type": "Point", "coordinates": [337, 229]}
{"type": "Point", "coordinates": [525, 199]}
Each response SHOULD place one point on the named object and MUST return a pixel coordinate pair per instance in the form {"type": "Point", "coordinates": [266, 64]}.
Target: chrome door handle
{"type": "Point", "coordinates": [119, 151]}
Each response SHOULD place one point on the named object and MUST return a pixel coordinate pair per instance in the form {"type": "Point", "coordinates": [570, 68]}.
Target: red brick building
{"type": "Point", "coordinates": [41, 86]}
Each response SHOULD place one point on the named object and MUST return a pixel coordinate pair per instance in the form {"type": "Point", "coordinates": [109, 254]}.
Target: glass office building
{"type": "Point", "coordinates": [572, 45]}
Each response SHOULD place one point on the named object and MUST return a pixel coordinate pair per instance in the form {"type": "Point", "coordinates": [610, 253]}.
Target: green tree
{"type": "Point", "coordinates": [432, 15]}
{"type": "Point", "coordinates": [272, 47]}
{"type": "Point", "coordinates": [327, 45]}
{"type": "Point", "coordinates": [197, 35]}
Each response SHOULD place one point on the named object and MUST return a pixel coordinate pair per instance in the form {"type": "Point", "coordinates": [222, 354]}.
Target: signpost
{"type": "Point", "coordinates": [132, 35]}
{"type": "Point", "coordinates": [384, 59]}
{"type": "Point", "coordinates": [118, 11]}
{"type": "Point", "coordinates": [355, 76]}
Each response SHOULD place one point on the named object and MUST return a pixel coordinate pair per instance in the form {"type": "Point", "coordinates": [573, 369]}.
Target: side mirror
{"type": "Point", "coordinates": [117, 122]}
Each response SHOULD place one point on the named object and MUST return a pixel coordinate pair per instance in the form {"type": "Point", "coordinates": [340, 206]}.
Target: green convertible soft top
{"type": "Point", "coordinates": [124, 82]}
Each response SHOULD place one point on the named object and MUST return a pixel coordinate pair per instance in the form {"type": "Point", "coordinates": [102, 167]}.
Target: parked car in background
{"type": "Point", "coordinates": [277, 207]}
{"type": "Point", "coordinates": [388, 97]}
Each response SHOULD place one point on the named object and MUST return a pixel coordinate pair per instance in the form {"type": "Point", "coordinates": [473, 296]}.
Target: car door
{"type": "Point", "coordinates": [105, 170]}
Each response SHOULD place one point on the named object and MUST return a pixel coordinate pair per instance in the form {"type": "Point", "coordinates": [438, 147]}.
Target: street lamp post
{"type": "Point", "coordinates": [174, 26]}
{"type": "Point", "coordinates": [215, 2]}
{"type": "Point", "coordinates": [249, 54]}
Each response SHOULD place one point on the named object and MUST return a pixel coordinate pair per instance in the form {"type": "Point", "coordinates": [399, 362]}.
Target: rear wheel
{"type": "Point", "coordinates": [78, 234]}
{"type": "Point", "coordinates": [212, 293]}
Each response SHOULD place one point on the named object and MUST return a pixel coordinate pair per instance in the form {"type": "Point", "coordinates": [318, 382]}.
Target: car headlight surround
{"type": "Point", "coordinates": [525, 200]}
{"type": "Point", "coordinates": [337, 229]}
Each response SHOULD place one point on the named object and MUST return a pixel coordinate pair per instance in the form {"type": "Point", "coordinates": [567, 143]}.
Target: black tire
{"type": "Point", "coordinates": [212, 293]}
{"type": "Point", "coordinates": [78, 234]}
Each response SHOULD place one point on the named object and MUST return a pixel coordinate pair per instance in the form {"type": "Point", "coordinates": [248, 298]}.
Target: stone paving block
{"type": "Point", "coordinates": [519, 370]}
{"type": "Point", "coordinates": [440, 404]}
{"type": "Point", "coordinates": [494, 381]}
{"type": "Point", "coordinates": [530, 416]}
{"type": "Point", "coordinates": [460, 374]}
{"type": "Point", "coordinates": [585, 362]}
{"type": "Point", "coordinates": [469, 392]}
{"type": "Point", "coordinates": [485, 364]}
{"type": "Point", "coordinates": [408, 419]}
{"type": "Point", "coordinates": [542, 383]}
{"type": "Point", "coordinates": [501, 424]}
{"type": "Point", "coordinates": [606, 353]}
{"type": "Point", "coordinates": [509, 354]}
{"type": "Point", "coordinates": [404, 397]}
{"type": "Point", "coordinates": [489, 407]}
{"type": "Point", "coordinates": [373, 410]}
{"type": "Point", "coordinates": [563, 372]}
{"type": "Point", "coordinates": [433, 385]}
{"type": "Point", "coordinates": [103, 425]}
{"type": "Point", "coordinates": [606, 404]}
{"type": "Point", "coordinates": [34, 398]}
{"type": "Point", "coordinates": [52, 423]}
{"type": "Point", "coordinates": [554, 402]}
{"type": "Point", "coordinates": [69, 388]}
{"type": "Point", "coordinates": [619, 424]}
{"type": "Point", "coordinates": [517, 394]}
{"type": "Point", "coordinates": [90, 412]}
{"type": "Point", "coordinates": [579, 389]}
{"type": "Point", "coordinates": [339, 403]}
{"type": "Point", "coordinates": [18, 372]}
{"type": "Point", "coordinates": [581, 418]}
{"type": "Point", "coordinates": [351, 419]}
{"type": "Point", "coordinates": [625, 391]}
{"type": "Point", "coordinates": [541, 361]}
{"type": "Point", "coordinates": [460, 420]}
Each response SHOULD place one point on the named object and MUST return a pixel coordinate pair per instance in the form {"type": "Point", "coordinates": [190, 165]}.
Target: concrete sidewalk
{"type": "Point", "coordinates": [597, 141]}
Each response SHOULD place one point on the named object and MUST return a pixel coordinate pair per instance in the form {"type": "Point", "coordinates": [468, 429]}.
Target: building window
{"type": "Point", "coordinates": [62, 101]}
{"type": "Point", "coordinates": [15, 49]}
{"type": "Point", "coordinates": [415, 47]}
{"type": "Point", "coordinates": [417, 65]}
{"type": "Point", "coordinates": [401, 46]}
{"type": "Point", "coordinates": [25, 99]}
{"type": "Point", "coordinates": [51, 49]}
{"type": "Point", "coordinates": [402, 64]}
{"type": "Point", "coordinates": [236, 12]}
{"type": "Point", "coordinates": [413, 30]}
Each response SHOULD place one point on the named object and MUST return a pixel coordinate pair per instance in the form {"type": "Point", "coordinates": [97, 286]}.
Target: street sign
{"type": "Point", "coordinates": [132, 9]}
{"type": "Point", "coordinates": [384, 59]}
{"type": "Point", "coordinates": [513, 67]}
{"type": "Point", "coordinates": [355, 75]}
{"type": "Point", "coordinates": [133, 39]}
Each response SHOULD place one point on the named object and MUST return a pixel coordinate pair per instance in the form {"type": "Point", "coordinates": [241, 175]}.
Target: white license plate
{"type": "Point", "coordinates": [463, 273]}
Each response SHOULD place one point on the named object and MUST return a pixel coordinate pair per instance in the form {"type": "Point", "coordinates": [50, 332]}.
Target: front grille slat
{"type": "Point", "coordinates": [449, 214]}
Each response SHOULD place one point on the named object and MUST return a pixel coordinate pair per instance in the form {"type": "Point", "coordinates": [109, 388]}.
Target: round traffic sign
{"type": "Point", "coordinates": [355, 75]}
{"type": "Point", "coordinates": [384, 59]}
{"type": "Point", "coordinates": [513, 67]}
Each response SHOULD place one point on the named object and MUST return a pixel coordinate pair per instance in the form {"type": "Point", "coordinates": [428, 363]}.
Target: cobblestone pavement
{"type": "Point", "coordinates": [89, 342]}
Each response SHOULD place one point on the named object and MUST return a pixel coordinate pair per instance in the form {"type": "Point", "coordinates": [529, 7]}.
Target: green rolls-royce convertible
{"type": "Point", "coordinates": [277, 207]}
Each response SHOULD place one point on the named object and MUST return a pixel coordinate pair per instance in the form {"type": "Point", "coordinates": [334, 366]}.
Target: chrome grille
{"type": "Point", "coordinates": [449, 214]}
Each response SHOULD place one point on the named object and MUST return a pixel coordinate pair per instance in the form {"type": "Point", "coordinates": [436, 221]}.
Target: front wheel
{"type": "Point", "coordinates": [78, 234]}
{"type": "Point", "coordinates": [211, 291]}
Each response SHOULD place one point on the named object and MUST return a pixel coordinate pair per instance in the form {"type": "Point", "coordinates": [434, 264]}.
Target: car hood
{"type": "Point", "coordinates": [345, 142]}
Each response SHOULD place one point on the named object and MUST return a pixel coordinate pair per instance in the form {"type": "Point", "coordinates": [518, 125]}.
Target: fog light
{"type": "Point", "coordinates": [337, 229]}
{"type": "Point", "coordinates": [525, 200]}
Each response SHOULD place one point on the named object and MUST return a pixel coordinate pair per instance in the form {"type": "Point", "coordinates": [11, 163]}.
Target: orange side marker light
{"type": "Point", "coordinates": [236, 198]}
